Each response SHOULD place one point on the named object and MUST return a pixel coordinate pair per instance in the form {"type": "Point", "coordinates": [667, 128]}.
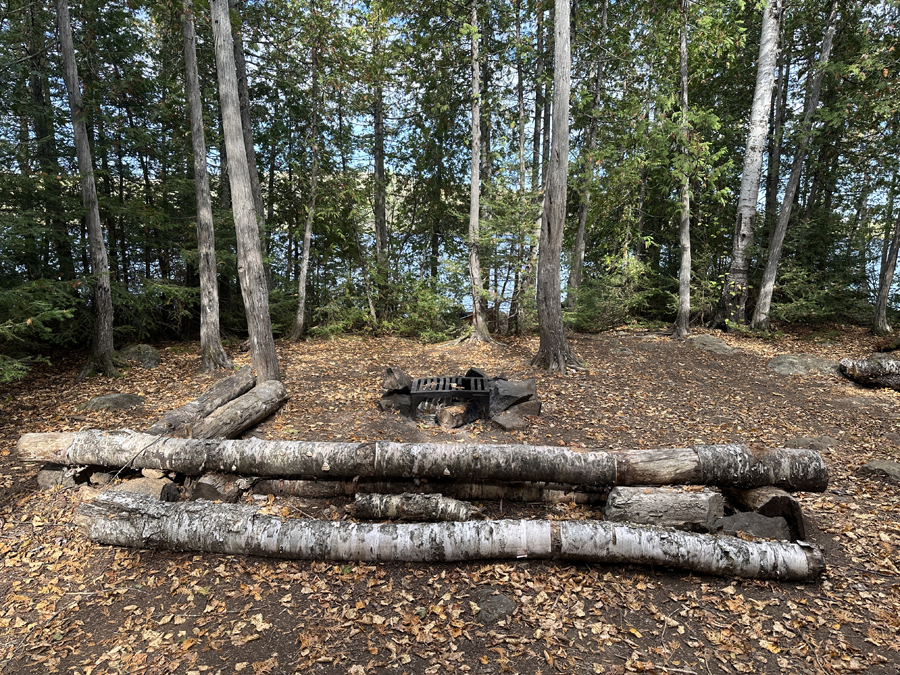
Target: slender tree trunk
{"type": "Point", "coordinates": [590, 144]}
{"type": "Point", "coordinates": [212, 355]}
{"type": "Point", "coordinates": [683, 317]}
{"type": "Point", "coordinates": [733, 300]}
{"type": "Point", "coordinates": [813, 89]}
{"type": "Point", "coordinates": [250, 263]}
{"type": "Point", "coordinates": [516, 308]}
{"type": "Point", "coordinates": [538, 103]}
{"type": "Point", "coordinates": [773, 168]}
{"type": "Point", "coordinates": [101, 358]}
{"type": "Point", "coordinates": [554, 352]}
{"type": "Point", "coordinates": [886, 280]}
{"type": "Point", "coordinates": [479, 328]}
{"type": "Point", "coordinates": [381, 233]}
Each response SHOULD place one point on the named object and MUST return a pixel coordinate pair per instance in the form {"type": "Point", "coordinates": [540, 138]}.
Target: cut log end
{"type": "Point", "coordinates": [52, 448]}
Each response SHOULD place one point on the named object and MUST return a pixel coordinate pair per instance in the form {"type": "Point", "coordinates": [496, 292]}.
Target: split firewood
{"type": "Point", "coordinates": [665, 507]}
{"type": "Point", "coordinates": [772, 502]}
{"type": "Point", "coordinates": [179, 422]}
{"type": "Point", "coordinates": [236, 529]}
{"type": "Point", "coordinates": [722, 465]}
{"type": "Point", "coordinates": [408, 506]}
{"type": "Point", "coordinates": [243, 412]}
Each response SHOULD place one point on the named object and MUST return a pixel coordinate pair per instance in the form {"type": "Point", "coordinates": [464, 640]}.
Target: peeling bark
{"type": "Point", "coordinates": [408, 506]}
{"type": "Point", "coordinates": [722, 465]}
{"type": "Point", "coordinates": [231, 529]}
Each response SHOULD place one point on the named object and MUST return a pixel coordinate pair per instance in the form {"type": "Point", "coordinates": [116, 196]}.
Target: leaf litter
{"type": "Point", "coordinates": [71, 606]}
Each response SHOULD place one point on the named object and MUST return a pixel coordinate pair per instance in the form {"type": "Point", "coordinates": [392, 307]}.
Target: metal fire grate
{"type": "Point", "coordinates": [449, 389]}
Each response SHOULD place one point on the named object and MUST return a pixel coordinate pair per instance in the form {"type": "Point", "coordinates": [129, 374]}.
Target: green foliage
{"type": "Point", "coordinates": [805, 295]}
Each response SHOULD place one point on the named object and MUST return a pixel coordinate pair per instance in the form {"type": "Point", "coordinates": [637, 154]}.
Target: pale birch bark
{"type": "Point", "coordinates": [733, 300]}
{"type": "Point", "coordinates": [885, 281]}
{"type": "Point", "coordinates": [683, 316]}
{"type": "Point", "coordinates": [250, 262]}
{"type": "Point", "coordinates": [232, 529]}
{"type": "Point", "coordinates": [212, 355]}
{"type": "Point", "coordinates": [409, 506]}
{"type": "Point", "coordinates": [813, 89]}
{"type": "Point", "coordinates": [878, 372]}
{"type": "Point", "coordinates": [554, 352]}
{"type": "Point", "coordinates": [722, 465]}
{"type": "Point", "coordinates": [102, 350]}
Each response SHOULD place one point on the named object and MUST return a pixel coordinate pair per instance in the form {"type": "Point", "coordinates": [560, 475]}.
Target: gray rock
{"type": "Point", "coordinates": [153, 473]}
{"type": "Point", "coordinates": [802, 364]}
{"type": "Point", "coordinates": [395, 380]}
{"type": "Point", "coordinates": [162, 489]}
{"type": "Point", "coordinates": [624, 351]}
{"type": "Point", "coordinates": [145, 356]}
{"type": "Point", "coordinates": [531, 407]}
{"type": "Point", "coordinates": [709, 343]}
{"type": "Point", "coordinates": [505, 394]}
{"type": "Point", "coordinates": [759, 526]}
{"type": "Point", "coordinates": [476, 372]}
{"type": "Point", "coordinates": [892, 438]}
{"type": "Point", "coordinates": [881, 468]}
{"type": "Point", "coordinates": [817, 443]}
{"type": "Point", "coordinates": [400, 402]}
{"type": "Point", "coordinates": [113, 402]}
{"type": "Point", "coordinates": [495, 608]}
{"type": "Point", "coordinates": [510, 421]}
{"type": "Point", "coordinates": [52, 475]}
{"type": "Point", "coordinates": [102, 478]}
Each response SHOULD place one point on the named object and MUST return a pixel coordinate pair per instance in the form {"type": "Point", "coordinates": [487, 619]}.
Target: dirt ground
{"type": "Point", "coordinates": [71, 606]}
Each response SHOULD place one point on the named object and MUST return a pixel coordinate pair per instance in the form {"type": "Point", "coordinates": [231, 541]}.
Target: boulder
{"type": "Point", "coordinates": [52, 475]}
{"type": "Point", "coordinates": [761, 527]}
{"type": "Point", "coordinates": [801, 364]}
{"type": "Point", "coordinates": [395, 401]}
{"type": "Point", "coordinates": [145, 356]}
{"type": "Point", "coordinates": [817, 443]}
{"type": "Point", "coordinates": [495, 608]}
{"type": "Point", "coordinates": [529, 408]}
{"type": "Point", "coordinates": [505, 394]}
{"type": "Point", "coordinates": [395, 380]}
{"type": "Point", "coordinates": [709, 343]}
{"type": "Point", "coordinates": [113, 402]}
{"type": "Point", "coordinates": [510, 421]}
{"type": "Point", "coordinates": [881, 468]}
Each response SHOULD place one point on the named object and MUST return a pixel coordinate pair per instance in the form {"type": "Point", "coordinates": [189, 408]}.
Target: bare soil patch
{"type": "Point", "coordinates": [71, 606]}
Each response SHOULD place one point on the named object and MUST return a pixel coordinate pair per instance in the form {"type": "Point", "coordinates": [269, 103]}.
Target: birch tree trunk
{"type": "Point", "coordinates": [554, 352]}
{"type": "Point", "coordinates": [721, 465]}
{"type": "Point", "coordinates": [733, 300]}
{"type": "Point", "coordinates": [212, 355]}
{"type": "Point", "coordinates": [121, 519]}
{"type": "Point", "coordinates": [408, 506]}
{"type": "Point", "coordinates": [250, 262]}
{"type": "Point", "coordinates": [885, 280]}
{"type": "Point", "coordinates": [813, 91]}
{"type": "Point", "coordinates": [683, 316]}
{"type": "Point", "coordinates": [479, 327]}
{"type": "Point", "coordinates": [101, 357]}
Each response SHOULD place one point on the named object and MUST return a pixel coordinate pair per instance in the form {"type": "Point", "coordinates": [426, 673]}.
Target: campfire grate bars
{"type": "Point", "coordinates": [449, 389]}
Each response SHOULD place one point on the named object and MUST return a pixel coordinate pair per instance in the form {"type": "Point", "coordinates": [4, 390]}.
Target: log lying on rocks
{"type": "Point", "coordinates": [243, 412]}
{"type": "Point", "coordinates": [235, 529]}
{"type": "Point", "coordinates": [554, 493]}
{"type": "Point", "coordinates": [665, 507]}
{"type": "Point", "coordinates": [179, 422]}
{"type": "Point", "coordinates": [408, 506]}
{"type": "Point", "coordinates": [772, 503]}
{"type": "Point", "coordinates": [874, 372]}
{"type": "Point", "coordinates": [723, 465]}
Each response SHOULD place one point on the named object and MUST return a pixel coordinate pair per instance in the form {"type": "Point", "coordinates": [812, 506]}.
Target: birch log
{"type": "Point", "coordinates": [408, 506]}
{"type": "Point", "coordinates": [243, 412]}
{"type": "Point", "coordinates": [723, 465]}
{"type": "Point", "coordinates": [874, 372]}
{"type": "Point", "coordinates": [234, 529]}
{"type": "Point", "coordinates": [179, 422]}
{"type": "Point", "coordinates": [665, 507]}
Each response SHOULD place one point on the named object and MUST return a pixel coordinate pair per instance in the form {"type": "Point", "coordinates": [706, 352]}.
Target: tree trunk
{"type": "Point", "coordinates": [665, 507]}
{"type": "Point", "coordinates": [250, 262]}
{"type": "Point", "coordinates": [885, 281]}
{"type": "Point", "coordinates": [733, 300]}
{"type": "Point", "coordinates": [876, 372]}
{"type": "Point", "coordinates": [212, 355]}
{"type": "Point", "coordinates": [683, 316]}
{"type": "Point", "coordinates": [408, 506]}
{"type": "Point", "coordinates": [813, 91]}
{"type": "Point", "coordinates": [232, 529]}
{"type": "Point", "coordinates": [101, 358]}
{"type": "Point", "coordinates": [722, 465]}
{"type": "Point", "coordinates": [243, 412]}
{"type": "Point", "coordinates": [179, 422]}
{"type": "Point", "coordinates": [772, 503]}
{"type": "Point", "coordinates": [380, 209]}
{"type": "Point", "coordinates": [554, 352]}
{"type": "Point", "coordinates": [479, 328]}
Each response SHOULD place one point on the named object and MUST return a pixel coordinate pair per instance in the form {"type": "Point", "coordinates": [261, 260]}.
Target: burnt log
{"type": "Point", "coordinates": [243, 412]}
{"type": "Point", "coordinates": [408, 506]}
{"type": "Point", "coordinates": [691, 511]}
{"type": "Point", "coordinates": [771, 502]}
{"type": "Point", "coordinates": [721, 465]}
{"type": "Point", "coordinates": [237, 529]}
{"type": "Point", "coordinates": [874, 372]}
{"type": "Point", "coordinates": [178, 422]}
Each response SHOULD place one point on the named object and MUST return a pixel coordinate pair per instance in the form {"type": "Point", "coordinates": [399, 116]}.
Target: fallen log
{"type": "Point", "coordinates": [554, 493]}
{"type": "Point", "coordinates": [665, 507]}
{"type": "Point", "coordinates": [874, 372]}
{"type": "Point", "coordinates": [178, 422]}
{"type": "Point", "coordinates": [243, 412]}
{"type": "Point", "coordinates": [408, 506]}
{"type": "Point", "coordinates": [723, 465]}
{"type": "Point", "coordinates": [771, 502]}
{"type": "Point", "coordinates": [236, 529]}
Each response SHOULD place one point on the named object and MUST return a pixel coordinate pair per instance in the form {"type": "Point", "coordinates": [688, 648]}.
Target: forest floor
{"type": "Point", "coordinates": [72, 606]}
